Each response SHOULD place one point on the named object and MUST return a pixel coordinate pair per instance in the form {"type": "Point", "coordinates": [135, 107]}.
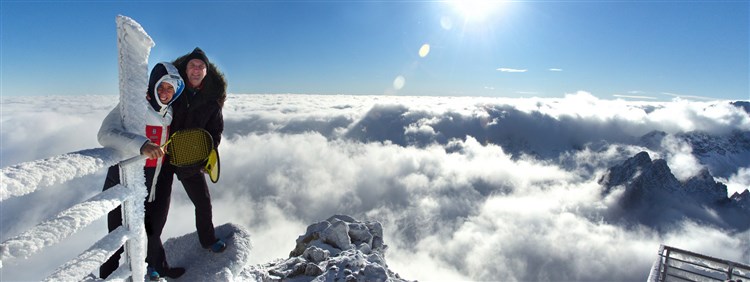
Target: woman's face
{"type": "Point", "coordinates": [165, 91]}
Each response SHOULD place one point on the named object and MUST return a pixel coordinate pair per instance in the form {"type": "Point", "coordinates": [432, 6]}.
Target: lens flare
{"type": "Point", "coordinates": [399, 82]}
{"type": "Point", "coordinates": [446, 23]}
{"type": "Point", "coordinates": [424, 50]}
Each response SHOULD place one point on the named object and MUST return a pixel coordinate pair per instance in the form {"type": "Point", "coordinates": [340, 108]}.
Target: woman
{"type": "Point", "coordinates": [164, 87]}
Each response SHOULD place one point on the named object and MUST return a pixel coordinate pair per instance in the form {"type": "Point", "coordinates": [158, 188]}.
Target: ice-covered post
{"type": "Point", "coordinates": [134, 46]}
{"type": "Point", "coordinates": [132, 218]}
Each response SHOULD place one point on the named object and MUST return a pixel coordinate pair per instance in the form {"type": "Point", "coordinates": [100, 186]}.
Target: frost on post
{"type": "Point", "coordinates": [134, 46]}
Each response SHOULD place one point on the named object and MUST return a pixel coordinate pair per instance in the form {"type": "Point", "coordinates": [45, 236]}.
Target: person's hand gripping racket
{"type": "Point", "coordinates": [186, 148]}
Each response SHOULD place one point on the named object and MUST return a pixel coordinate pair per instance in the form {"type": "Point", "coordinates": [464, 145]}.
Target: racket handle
{"type": "Point", "coordinates": [132, 160]}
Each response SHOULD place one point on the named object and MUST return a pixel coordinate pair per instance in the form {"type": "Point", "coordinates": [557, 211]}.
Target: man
{"type": "Point", "coordinates": [164, 87]}
{"type": "Point", "coordinates": [200, 107]}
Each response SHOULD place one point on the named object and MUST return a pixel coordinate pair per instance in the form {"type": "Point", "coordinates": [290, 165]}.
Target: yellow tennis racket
{"type": "Point", "coordinates": [212, 166]}
{"type": "Point", "coordinates": [186, 148]}
{"type": "Point", "coordinates": [189, 147]}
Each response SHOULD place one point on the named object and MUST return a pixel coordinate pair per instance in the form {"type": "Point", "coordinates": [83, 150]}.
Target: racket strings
{"type": "Point", "coordinates": [189, 147]}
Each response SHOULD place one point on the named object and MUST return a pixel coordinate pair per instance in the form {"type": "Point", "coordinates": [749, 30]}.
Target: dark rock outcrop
{"type": "Point", "coordinates": [651, 195]}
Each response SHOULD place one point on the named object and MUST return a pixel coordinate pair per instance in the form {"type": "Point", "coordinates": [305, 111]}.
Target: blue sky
{"type": "Point", "coordinates": [650, 50]}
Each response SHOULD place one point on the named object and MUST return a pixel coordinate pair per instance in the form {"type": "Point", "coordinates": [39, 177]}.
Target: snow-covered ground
{"type": "Point", "coordinates": [466, 188]}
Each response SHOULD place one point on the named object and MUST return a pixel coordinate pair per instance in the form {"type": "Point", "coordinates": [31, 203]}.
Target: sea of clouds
{"type": "Point", "coordinates": [467, 188]}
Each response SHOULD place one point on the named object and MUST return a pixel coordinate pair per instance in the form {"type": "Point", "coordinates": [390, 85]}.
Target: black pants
{"type": "Point", "coordinates": [196, 187]}
{"type": "Point", "coordinates": [155, 218]}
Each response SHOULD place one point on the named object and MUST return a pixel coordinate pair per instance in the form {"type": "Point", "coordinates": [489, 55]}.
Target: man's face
{"type": "Point", "coordinates": [196, 71]}
{"type": "Point", "coordinates": [165, 91]}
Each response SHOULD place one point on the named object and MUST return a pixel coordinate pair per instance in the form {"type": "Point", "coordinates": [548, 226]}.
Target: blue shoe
{"type": "Point", "coordinates": [153, 275]}
{"type": "Point", "coordinates": [218, 247]}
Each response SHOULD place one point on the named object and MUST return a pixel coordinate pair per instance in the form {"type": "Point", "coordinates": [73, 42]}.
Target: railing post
{"type": "Point", "coordinates": [658, 276]}
{"type": "Point", "coordinates": [131, 176]}
{"type": "Point", "coordinates": [666, 264]}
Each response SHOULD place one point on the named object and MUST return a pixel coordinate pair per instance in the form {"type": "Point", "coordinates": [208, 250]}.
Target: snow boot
{"type": "Point", "coordinates": [153, 275]}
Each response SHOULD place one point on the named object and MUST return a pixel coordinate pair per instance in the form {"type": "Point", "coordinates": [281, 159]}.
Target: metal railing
{"type": "Point", "coordinates": [674, 264]}
{"type": "Point", "coordinates": [25, 178]}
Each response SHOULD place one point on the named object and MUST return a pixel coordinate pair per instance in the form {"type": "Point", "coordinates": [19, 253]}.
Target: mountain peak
{"type": "Point", "coordinates": [745, 105]}
{"type": "Point", "coordinates": [622, 173]}
{"type": "Point", "coordinates": [704, 187]}
{"type": "Point", "coordinates": [654, 197]}
{"type": "Point", "coordinates": [640, 172]}
{"type": "Point", "coordinates": [742, 199]}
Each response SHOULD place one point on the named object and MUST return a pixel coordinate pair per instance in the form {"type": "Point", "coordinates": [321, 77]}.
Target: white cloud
{"type": "Point", "coordinates": [680, 159]}
{"type": "Point", "coordinates": [634, 97]}
{"type": "Point", "coordinates": [555, 69]}
{"type": "Point", "coordinates": [688, 97]}
{"type": "Point", "coordinates": [738, 181]}
{"type": "Point", "coordinates": [527, 92]}
{"type": "Point", "coordinates": [35, 128]}
{"type": "Point", "coordinates": [511, 70]}
{"type": "Point", "coordinates": [475, 188]}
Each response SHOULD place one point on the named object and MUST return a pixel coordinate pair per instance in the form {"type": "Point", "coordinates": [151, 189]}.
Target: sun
{"type": "Point", "coordinates": [475, 10]}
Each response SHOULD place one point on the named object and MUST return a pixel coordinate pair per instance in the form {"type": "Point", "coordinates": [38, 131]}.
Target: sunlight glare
{"type": "Point", "coordinates": [475, 10]}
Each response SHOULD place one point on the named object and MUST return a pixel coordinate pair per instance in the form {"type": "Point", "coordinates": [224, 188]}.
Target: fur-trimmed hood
{"type": "Point", "coordinates": [214, 83]}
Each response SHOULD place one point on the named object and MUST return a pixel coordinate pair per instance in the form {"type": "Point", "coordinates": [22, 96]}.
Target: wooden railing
{"type": "Point", "coordinates": [25, 178]}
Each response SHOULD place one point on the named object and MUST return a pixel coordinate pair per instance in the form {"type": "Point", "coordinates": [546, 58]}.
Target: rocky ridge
{"type": "Point", "coordinates": [653, 196]}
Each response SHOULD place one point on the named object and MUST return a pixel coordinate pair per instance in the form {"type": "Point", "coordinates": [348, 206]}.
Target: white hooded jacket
{"type": "Point", "coordinates": [113, 133]}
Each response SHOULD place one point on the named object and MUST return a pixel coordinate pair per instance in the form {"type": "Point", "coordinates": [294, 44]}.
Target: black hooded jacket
{"type": "Point", "coordinates": [201, 107]}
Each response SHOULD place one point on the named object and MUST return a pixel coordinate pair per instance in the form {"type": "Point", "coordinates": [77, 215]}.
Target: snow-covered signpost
{"type": "Point", "coordinates": [134, 46]}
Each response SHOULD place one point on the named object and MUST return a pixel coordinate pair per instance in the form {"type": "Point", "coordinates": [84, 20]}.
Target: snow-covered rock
{"type": "Point", "coordinates": [337, 249]}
